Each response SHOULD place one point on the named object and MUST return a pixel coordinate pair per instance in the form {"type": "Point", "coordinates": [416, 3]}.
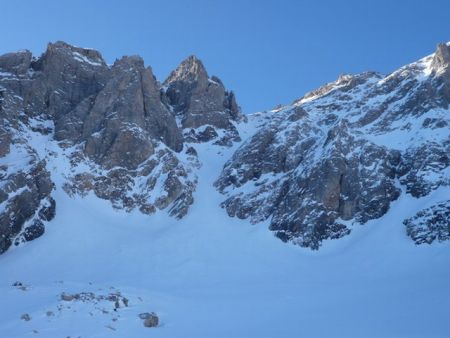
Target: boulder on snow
{"type": "Point", "coordinates": [26, 317]}
{"type": "Point", "coordinates": [67, 297]}
{"type": "Point", "coordinates": [150, 319]}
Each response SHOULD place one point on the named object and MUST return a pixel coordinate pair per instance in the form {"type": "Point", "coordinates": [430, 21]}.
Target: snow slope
{"type": "Point", "coordinates": [209, 275]}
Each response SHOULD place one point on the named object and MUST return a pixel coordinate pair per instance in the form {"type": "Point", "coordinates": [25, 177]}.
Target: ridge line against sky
{"type": "Point", "coordinates": [268, 52]}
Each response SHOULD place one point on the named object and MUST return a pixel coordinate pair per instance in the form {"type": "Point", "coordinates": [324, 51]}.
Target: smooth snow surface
{"type": "Point", "coordinates": [210, 275]}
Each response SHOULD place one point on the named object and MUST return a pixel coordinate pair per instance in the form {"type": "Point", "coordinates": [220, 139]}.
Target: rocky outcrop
{"type": "Point", "coordinates": [430, 224]}
{"type": "Point", "coordinates": [162, 181]}
{"type": "Point", "coordinates": [25, 203]}
{"type": "Point", "coordinates": [309, 181]}
{"type": "Point", "coordinates": [441, 58]}
{"type": "Point", "coordinates": [423, 168]}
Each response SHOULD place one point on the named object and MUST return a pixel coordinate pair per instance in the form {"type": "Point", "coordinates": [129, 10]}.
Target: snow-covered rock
{"type": "Point", "coordinates": [342, 152]}
{"type": "Point", "coordinates": [430, 224]}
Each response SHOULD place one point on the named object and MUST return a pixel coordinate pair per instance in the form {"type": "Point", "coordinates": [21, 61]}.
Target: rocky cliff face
{"type": "Point", "coordinates": [114, 126]}
{"type": "Point", "coordinates": [341, 154]}
{"type": "Point", "coordinates": [337, 157]}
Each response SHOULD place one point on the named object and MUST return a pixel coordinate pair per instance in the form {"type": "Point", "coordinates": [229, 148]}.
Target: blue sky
{"type": "Point", "coordinates": [267, 51]}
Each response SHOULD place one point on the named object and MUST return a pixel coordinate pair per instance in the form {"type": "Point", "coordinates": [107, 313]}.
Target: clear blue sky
{"type": "Point", "coordinates": [267, 51]}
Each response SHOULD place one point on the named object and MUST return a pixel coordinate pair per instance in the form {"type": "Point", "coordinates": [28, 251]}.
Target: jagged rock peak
{"type": "Point", "coordinates": [191, 69]}
{"type": "Point", "coordinates": [83, 55]}
{"type": "Point", "coordinates": [130, 60]}
{"type": "Point", "coordinates": [198, 100]}
{"type": "Point", "coordinates": [441, 59]}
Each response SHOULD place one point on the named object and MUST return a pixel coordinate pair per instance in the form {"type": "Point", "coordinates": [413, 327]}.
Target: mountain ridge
{"type": "Point", "coordinates": [132, 140]}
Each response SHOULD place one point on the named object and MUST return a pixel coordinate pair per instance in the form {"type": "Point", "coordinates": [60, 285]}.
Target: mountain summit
{"type": "Point", "coordinates": [189, 70]}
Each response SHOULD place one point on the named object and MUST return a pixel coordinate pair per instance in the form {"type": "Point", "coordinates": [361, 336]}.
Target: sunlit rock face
{"type": "Point", "coordinates": [204, 108]}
